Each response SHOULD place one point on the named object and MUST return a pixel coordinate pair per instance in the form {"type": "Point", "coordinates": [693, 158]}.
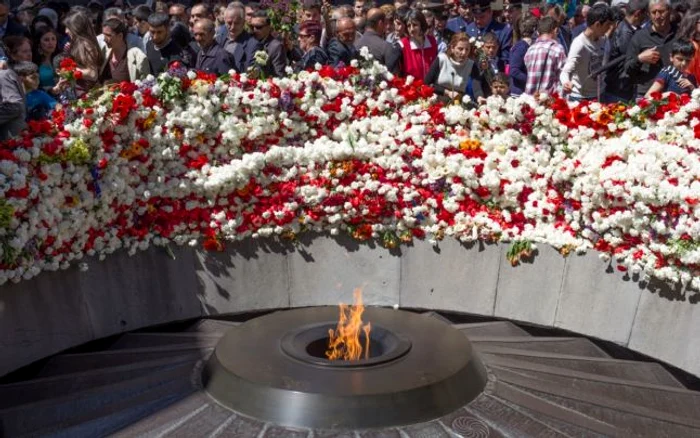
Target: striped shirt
{"type": "Point", "coordinates": [544, 61]}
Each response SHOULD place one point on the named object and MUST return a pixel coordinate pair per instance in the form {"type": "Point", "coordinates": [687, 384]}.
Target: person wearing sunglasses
{"type": "Point", "coordinates": [309, 41]}
{"type": "Point", "coordinates": [276, 53]}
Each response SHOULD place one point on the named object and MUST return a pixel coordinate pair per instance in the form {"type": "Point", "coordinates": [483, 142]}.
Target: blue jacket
{"type": "Point", "coordinates": [242, 49]}
{"type": "Point", "coordinates": [503, 32]}
{"type": "Point", "coordinates": [518, 70]}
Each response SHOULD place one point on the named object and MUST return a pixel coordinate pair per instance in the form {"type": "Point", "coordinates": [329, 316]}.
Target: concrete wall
{"type": "Point", "coordinates": [59, 310]}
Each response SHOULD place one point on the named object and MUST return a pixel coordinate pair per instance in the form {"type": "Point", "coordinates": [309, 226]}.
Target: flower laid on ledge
{"type": "Point", "coordinates": [187, 158]}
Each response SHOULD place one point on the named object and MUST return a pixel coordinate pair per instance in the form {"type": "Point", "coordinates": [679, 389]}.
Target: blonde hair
{"type": "Point", "coordinates": [84, 48]}
{"type": "Point", "coordinates": [457, 38]}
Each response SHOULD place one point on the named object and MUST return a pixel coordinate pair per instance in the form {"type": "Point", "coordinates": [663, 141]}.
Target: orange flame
{"type": "Point", "coordinates": [344, 342]}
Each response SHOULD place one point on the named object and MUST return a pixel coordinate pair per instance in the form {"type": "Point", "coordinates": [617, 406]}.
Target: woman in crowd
{"type": "Point", "coordinates": [45, 46]}
{"type": "Point", "coordinates": [309, 41]}
{"type": "Point", "coordinates": [84, 50]}
{"type": "Point", "coordinates": [451, 71]}
{"type": "Point", "coordinates": [398, 26]}
{"type": "Point", "coordinates": [419, 49]}
{"type": "Point", "coordinates": [689, 29]}
{"type": "Point", "coordinates": [19, 49]}
{"type": "Point", "coordinates": [527, 28]}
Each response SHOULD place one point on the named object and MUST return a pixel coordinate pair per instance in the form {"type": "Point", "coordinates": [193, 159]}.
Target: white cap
{"type": "Point", "coordinates": [619, 3]}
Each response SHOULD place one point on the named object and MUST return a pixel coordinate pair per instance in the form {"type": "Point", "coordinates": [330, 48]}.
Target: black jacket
{"type": "Point", "coordinates": [641, 74]}
{"type": "Point", "coordinates": [339, 52]}
{"type": "Point", "coordinates": [160, 59]}
{"type": "Point", "coordinates": [382, 51]}
{"type": "Point", "coordinates": [309, 60]}
{"type": "Point", "coordinates": [15, 29]}
{"type": "Point", "coordinates": [277, 57]}
{"type": "Point", "coordinates": [214, 59]}
{"type": "Point", "coordinates": [616, 80]}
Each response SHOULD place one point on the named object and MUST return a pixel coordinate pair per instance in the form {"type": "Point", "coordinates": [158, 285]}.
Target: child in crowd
{"type": "Point", "coordinates": [489, 62]}
{"type": "Point", "coordinates": [39, 103]}
{"type": "Point", "coordinates": [500, 86]}
{"type": "Point", "coordinates": [674, 77]}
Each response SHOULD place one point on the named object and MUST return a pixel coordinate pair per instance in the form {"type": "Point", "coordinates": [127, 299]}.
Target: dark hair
{"type": "Point", "coordinates": [208, 10]}
{"type": "Point", "coordinates": [416, 15]}
{"type": "Point", "coordinates": [599, 14]}
{"type": "Point", "coordinates": [14, 42]}
{"type": "Point", "coordinates": [262, 14]}
{"type": "Point", "coordinates": [618, 14]}
{"type": "Point", "coordinates": [113, 13]}
{"type": "Point", "coordinates": [558, 10]}
{"type": "Point", "coordinates": [682, 47]}
{"type": "Point", "coordinates": [547, 25]}
{"type": "Point", "coordinates": [636, 5]}
{"type": "Point", "coordinates": [159, 19]}
{"type": "Point", "coordinates": [500, 77]}
{"type": "Point", "coordinates": [490, 37]}
{"type": "Point", "coordinates": [37, 57]}
{"type": "Point", "coordinates": [686, 30]}
{"type": "Point", "coordinates": [528, 26]}
{"type": "Point", "coordinates": [40, 19]}
{"type": "Point", "coordinates": [117, 26]}
{"type": "Point", "coordinates": [142, 12]}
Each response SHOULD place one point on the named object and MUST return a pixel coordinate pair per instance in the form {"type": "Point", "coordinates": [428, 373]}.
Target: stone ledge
{"type": "Point", "coordinates": [56, 311]}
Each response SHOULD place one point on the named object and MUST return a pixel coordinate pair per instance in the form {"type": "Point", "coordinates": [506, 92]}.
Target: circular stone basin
{"type": "Point", "coordinates": [274, 368]}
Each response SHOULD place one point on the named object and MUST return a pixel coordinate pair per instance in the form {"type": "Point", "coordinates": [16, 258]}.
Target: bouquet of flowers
{"type": "Point", "coordinates": [68, 70]}
{"type": "Point", "coordinates": [283, 14]}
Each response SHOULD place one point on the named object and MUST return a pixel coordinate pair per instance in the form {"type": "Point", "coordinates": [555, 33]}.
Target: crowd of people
{"type": "Point", "coordinates": [609, 52]}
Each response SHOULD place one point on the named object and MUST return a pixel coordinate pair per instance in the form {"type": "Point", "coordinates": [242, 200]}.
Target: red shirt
{"type": "Point", "coordinates": [417, 60]}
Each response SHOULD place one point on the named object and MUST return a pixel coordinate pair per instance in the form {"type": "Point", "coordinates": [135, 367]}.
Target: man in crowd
{"type": "Point", "coordinates": [544, 59]}
{"type": "Point", "coordinates": [276, 53]}
{"type": "Point", "coordinates": [373, 39]}
{"type": "Point", "coordinates": [238, 42]}
{"type": "Point", "coordinates": [564, 33]}
{"type": "Point", "coordinates": [586, 56]}
{"type": "Point", "coordinates": [512, 11]}
{"type": "Point", "coordinates": [121, 63]}
{"type": "Point", "coordinates": [618, 87]}
{"type": "Point", "coordinates": [463, 19]}
{"type": "Point", "coordinates": [178, 13]}
{"type": "Point", "coordinates": [13, 110]}
{"type": "Point", "coordinates": [161, 49]}
{"type": "Point", "coordinates": [8, 26]}
{"type": "Point", "coordinates": [341, 49]}
{"type": "Point", "coordinates": [211, 58]}
{"type": "Point", "coordinates": [132, 40]}
{"type": "Point", "coordinates": [198, 12]}
{"type": "Point", "coordinates": [650, 48]}
{"type": "Point", "coordinates": [484, 23]}
{"type": "Point", "coordinates": [141, 14]}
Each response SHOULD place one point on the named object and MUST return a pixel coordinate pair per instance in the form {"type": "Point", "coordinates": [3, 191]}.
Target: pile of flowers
{"type": "Point", "coordinates": [187, 158]}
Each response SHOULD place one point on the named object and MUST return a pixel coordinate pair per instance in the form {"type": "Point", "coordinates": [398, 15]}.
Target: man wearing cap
{"type": "Point", "coordinates": [512, 10]}
{"type": "Point", "coordinates": [484, 23]}
{"type": "Point", "coordinates": [463, 19]}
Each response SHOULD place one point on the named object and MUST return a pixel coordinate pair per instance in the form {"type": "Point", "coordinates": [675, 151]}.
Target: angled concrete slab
{"type": "Point", "coordinates": [597, 300]}
{"type": "Point", "coordinates": [450, 276]}
{"type": "Point", "coordinates": [530, 291]}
